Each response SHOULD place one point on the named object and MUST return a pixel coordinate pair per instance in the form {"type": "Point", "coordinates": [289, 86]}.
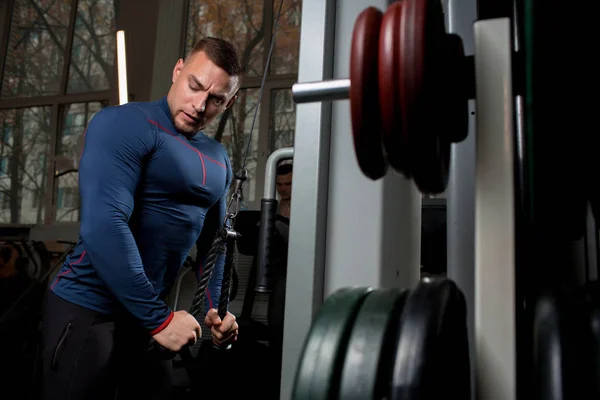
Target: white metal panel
{"type": "Point", "coordinates": [494, 213]}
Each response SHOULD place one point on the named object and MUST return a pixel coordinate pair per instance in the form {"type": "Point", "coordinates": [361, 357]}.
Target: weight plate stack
{"type": "Point", "coordinates": [432, 353]}
{"type": "Point", "coordinates": [395, 139]}
{"type": "Point", "coordinates": [367, 366]}
{"type": "Point", "coordinates": [364, 94]}
{"type": "Point", "coordinates": [325, 347]}
{"type": "Point", "coordinates": [422, 50]}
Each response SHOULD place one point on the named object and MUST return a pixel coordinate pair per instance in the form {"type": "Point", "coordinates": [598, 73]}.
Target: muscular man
{"type": "Point", "coordinates": [152, 185]}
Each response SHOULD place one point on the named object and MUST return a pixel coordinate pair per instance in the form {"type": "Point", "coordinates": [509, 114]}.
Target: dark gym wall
{"type": "Point", "coordinates": [138, 18]}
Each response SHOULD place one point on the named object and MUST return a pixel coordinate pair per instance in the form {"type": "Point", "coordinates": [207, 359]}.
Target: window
{"type": "Point", "coordinates": [74, 119]}
{"type": "Point", "coordinates": [233, 131]}
{"type": "Point", "coordinates": [35, 56]}
{"type": "Point", "coordinates": [287, 46]}
{"type": "Point", "coordinates": [283, 120]}
{"type": "Point", "coordinates": [58, 72]}
{"type": "Point", "coordinates": [239, 21]}
{"type": "Point", "coordinates": [249, 25]}
{"type": "Point", "coordinates": [26, 169]}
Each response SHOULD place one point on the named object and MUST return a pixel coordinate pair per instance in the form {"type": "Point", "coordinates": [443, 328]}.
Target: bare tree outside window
{"type": "Point", "coordinates": [24, 149]}
{"type": "Point", "coordinates": [283, 120]}
{"type": "Point", "coordinates": [94, 47]}
{"type": "Point", "coordinates": [54, 50]}
{"type": "Point", "coordinates": [74, 120]}
{"type": "Point", "coordinates": [35, 56]}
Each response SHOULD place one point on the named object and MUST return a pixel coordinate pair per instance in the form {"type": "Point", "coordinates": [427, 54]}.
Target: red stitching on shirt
{"type": "Point", "coordinates": [187, 145]}
{"type": "Point", "coordinates": [67, 271]}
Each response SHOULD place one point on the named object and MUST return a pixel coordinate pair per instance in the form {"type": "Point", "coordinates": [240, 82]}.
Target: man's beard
{"type": "Point", "coordinates": [185, 129]}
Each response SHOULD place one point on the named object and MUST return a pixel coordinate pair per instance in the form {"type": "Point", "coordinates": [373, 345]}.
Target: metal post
{"type": "Point", "coordinates": [308, 223]}
{"type": "Point", "coordinates": [495, 329]}
{"type": "Point", "coordinates": [461, 14]}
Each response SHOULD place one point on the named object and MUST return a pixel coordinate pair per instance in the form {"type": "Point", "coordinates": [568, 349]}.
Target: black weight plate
{"type": "Point", "coordinates": [366, 371]}
{"type": "Point", "coordinates": [432, 353]}
{"type": "Point", "coordinates": [325, 346]}
{"type": "Point", "coordinates": [594, 351]}
{"type": "Point", "coordinates": [565, 343]}
{"type": "Point", "coordinates": [551, 347]}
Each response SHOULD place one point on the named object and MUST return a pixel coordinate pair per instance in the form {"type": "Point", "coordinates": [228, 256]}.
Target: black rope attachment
{"type": "Point", "coordinates": [223, 243]}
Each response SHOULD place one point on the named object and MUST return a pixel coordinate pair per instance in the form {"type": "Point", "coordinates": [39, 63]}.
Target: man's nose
{"type": "Point", "coordinates": [200, 104]}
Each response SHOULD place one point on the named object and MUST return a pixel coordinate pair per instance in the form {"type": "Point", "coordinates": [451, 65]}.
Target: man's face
{"type": "Point", "coordinates": [200, 91]}
{"type": "Point", "coordinates": [284, 186]}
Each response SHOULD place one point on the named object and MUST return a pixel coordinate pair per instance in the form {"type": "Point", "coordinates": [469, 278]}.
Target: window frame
{"type": "Point", "coordinates": [5, 21]}
{"type": "Point", "coordinates": [263, 131]}
{"type": "Point", "coordinates": [56, 102]}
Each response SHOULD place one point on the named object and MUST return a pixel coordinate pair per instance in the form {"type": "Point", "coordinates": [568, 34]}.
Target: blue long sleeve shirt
{"type": "Point", "coordinates": [148, 194]}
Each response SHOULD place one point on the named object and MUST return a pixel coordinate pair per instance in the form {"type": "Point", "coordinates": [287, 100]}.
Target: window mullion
{"type": "Point", "coordinates": [268, 15]}
{"type": "Point", "coordinates": [6, 9]}
{"type": "Point", "coordinates": [68, 45]}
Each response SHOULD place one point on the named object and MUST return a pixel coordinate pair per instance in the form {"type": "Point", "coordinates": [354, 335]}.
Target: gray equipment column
{"type": "Point", "coordinates": [308, 214]}
{"type": "Point", "coordinates": [268, 217]}
{"type": "Point", "coordinates": [460, 203]}
{"type": "Point", "coordinates": [494, 212]}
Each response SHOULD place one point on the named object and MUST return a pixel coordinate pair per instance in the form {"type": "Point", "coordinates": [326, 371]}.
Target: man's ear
{"type": "Point", "coordinates": [231, 101]}
{"type": "Point", "coordinates": [177, 70]}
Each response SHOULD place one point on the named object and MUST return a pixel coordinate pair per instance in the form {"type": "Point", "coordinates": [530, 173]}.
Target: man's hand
{"type": "Point", "coordinates": [182, 330]}
{"type": "Point", "coordinates": [223, 332]}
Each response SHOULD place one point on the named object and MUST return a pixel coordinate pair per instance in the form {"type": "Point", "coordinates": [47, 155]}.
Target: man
{"type": "Point", "coordinates": [151, 186]}
{"type": "Point", "coordinates": [284, 188]}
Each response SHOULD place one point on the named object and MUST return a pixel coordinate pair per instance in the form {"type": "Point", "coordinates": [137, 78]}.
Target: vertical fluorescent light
{"type": "Point", "coordinates": [122, 67]}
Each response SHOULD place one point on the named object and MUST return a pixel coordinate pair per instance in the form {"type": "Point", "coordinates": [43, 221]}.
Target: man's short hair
{"type": "Point", "coordinates": [222, 52]}
{"type": "Point", "coordinates": [284, 169]}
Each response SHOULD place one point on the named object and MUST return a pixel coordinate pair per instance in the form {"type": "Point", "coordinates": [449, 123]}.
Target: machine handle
{"type": "Point", "coordinates": [264, 258]}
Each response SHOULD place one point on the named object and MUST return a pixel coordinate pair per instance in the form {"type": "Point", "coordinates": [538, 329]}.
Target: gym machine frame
{"type": "Point", "coordinates": [316, 255]}
{"type": "Point", "coordinates": [268, 212]}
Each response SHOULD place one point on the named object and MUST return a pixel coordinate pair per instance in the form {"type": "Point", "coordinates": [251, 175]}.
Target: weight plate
{"type": "Point", "coordinates": [422, 50]}
{"type": "Point", "coordinates": [432, 353]}
{"type": "Point", "coordinates": [592, 292]}
{"type": "Point", "coordinates": [554, 346]}
{"type": "Point", "coordinates": [456, 107]}
{"type": "Point", "coordinates": [394, 139]}
{"type": "Point", "coordinates": [364, 97]}
{"type": "Point", "coordinates": [325, 346]}
{"type": "Point", "coordinates": [366, 369]}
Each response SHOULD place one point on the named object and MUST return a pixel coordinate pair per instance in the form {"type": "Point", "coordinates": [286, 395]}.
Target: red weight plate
{"type": "Point", "coordinates": [422, 48]}
{"type": "Point", "coordinates": [394, 140]}
{"type": "Point", "coordinates": [457, 103]}
{"type": "Point", "coordinates": [364, 94]}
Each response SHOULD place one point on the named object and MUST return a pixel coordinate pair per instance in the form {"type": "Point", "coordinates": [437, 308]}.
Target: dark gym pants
{"type": "Point", "coordinates": [88, 355]}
